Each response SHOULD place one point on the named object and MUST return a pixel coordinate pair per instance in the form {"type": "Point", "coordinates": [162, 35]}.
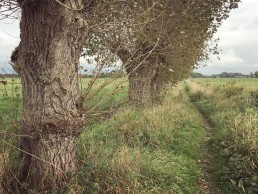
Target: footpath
{"type": "Point", "coordinates": [205, 180]}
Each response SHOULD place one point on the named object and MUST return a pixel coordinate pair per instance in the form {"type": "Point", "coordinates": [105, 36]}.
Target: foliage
{"type": "Point", "coordinates": [197, 75]}
{"type": "Point", "coordinates": [169, 36]}
{"type": "Point", "coordinates": [221, 75]}
{"type": "Point", "coordinates": [256, 74]}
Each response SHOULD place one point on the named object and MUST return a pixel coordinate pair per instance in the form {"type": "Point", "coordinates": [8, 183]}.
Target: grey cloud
{"type": "Point", "coordinates": [238, 35]}
{"type": "Point", "coordinates": [9, 33]}
{"type": "Point", "coordinates": [238, 41]}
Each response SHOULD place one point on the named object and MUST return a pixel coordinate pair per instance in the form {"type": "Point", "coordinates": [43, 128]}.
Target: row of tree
{"type": "Point", "coordinates": [157, 41]}
{"type": "Point", "coordinates": [254, 75]}
{"type": "Point", "coordinates": [225, 75]}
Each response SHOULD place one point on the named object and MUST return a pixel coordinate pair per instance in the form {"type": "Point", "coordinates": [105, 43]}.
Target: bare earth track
{"type": "Point", "coordinates": [205, 182]}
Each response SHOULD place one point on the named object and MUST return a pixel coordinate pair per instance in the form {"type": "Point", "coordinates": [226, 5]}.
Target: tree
{"type": "Point", "coordinates": [256, 74]}
{"type": "Point", "coordinates": [197, 75]}
{"type": "Point", "coordinates": [46, 59]}
{"type": "Point", "coordinates": [53, 34]}
{"type": "Point", "coordinates": [167, 47]}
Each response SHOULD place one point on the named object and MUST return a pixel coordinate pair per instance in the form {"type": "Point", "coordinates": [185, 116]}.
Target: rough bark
{"type": "Point", "coordinates": [145, 80]}
{"type": "Point", "coordinates": [52, 37]}
{"type": "Point", "coordinates": [158, 83]}
{"type": "Point", "coordinates": [140, 83]}
{"type": "Point", "coordinates": [142, 74]}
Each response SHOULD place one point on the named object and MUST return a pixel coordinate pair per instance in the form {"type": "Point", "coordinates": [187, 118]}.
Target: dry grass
{"type": "Point", "coordinates": [233, 111]}
{"type": "Point", "coordinates": [3, 164]}
{"type": "Point", "coordinates": [198, 87]}
{"type": "Point", "coordinates": [245, 126]}
{"type": "Point", "coordinates": [150, 149]}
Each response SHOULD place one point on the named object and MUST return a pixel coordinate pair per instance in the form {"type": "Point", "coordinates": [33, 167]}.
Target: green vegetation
{"type": "Point", "coordinates": [232, 110]}
{"type": "Point", "coordinates": [247, 83]}
{"type": "Point", "coordinates": [141, 149]}
{"type": "Point", "coordinates": [225, 75]}
{"type": "Point", "coordinates": [153, 148]}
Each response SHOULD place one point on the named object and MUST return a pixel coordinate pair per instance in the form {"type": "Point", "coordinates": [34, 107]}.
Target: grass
{"type": "Point", "coordinates": [141, 149]}
{"type": "Point", "coordinates": [233, 112]}
{"type": "Point", "coordinates": [247, 83]}
{"type": "Point", "coordinates": [153, 148]}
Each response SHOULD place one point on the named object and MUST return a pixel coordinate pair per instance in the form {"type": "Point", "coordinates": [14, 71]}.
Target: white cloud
{"type": "Point", "coordinates": [238, 41]}
{"type": "Point", "coordinates": [230, 59]}
{"type": "Point", "coordinates": [9, 39]}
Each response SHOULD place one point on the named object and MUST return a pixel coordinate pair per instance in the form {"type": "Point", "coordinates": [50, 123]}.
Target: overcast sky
{"type": "Point", "coordinates": [238, 42]}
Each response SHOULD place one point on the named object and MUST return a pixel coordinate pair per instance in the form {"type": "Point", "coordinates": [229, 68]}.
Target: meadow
{"type": "Point", "coordinates": [230, 105]}
{"type": "Point", "coordinates": [247, 83]}
{"type": "Point", "coordinates": [156, 147]}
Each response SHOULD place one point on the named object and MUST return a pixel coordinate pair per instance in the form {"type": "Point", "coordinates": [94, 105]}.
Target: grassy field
{"type": "Point", "coordinates": [140, 149]}
{"type": "Point", "coordinates": [155, 148]}
{"type": "Point", "coordinates": [247, 83]}
{"type": "Point", "coordinates": [232, 111]}
{"type": "Point", "coordinates": [111, 96]}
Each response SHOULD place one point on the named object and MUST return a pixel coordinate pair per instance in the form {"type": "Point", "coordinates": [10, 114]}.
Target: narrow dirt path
{"type": "Point", "coordinates": [206, 185]}
{"type": "Point", "coordinates": [205, 182]}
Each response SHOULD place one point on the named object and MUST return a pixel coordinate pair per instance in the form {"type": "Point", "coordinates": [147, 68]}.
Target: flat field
{"type": "Point", "coordinates": [101, 95]}
{"type": "Point", "coordinates": [247, 83]}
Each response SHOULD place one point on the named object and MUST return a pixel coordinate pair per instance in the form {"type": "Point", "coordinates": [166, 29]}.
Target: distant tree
{"type": "Point", "coordinates": [256, 74]}
{"type": "Point", "coordinates": [230, 75]}
{"type": "Point", "coordinates": [224, 75]}
{"type": "Point", "coordinates": [197, 75]}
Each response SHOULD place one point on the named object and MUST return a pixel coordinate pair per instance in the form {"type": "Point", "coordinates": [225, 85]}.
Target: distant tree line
{"type": "Point", "coordinates": [114, 73]}
{"type": "Point", "coordinates": [9, 75]}
{"type": "Point", "coordinates": [254, 75]}
{"type": "Point", "coordinates": [225, 75]}
{"type": "Point", "coordinates": [105, 74]}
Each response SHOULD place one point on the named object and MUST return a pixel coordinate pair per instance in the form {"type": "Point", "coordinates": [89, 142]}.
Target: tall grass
{"type": "Point", "coordinates": [10, 110]}
{"type": "Point", "coordinates": [140, 149]}
{"type": "Point", "coordinates": [232, 110]}
{"type": "Point", "coordinates": [152, 149]}
{"type": "Point", "coordinates": [10, 120]}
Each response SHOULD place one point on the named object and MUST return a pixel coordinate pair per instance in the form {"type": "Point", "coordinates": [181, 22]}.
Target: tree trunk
{"type": "Point", "coordinates": [140, 83]}
{"type": "Point", "coordinates": [52, 37]}
{"type": "Point", "coordinates": [145, 81]}
{"type": "Point", "coordinates": [142, 73]}
{"type": "Point", "coordinates": [158, 84]}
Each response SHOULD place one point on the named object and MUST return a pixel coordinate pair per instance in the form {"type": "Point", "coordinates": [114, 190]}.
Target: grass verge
{"type": "Point", "coordinates": [233, 113]}
{"type": "Point", "coordinates": [151, 149]}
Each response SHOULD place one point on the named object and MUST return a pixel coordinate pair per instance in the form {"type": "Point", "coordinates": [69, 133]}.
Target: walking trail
{"type": "Point", "coordinates": [205, 182]}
